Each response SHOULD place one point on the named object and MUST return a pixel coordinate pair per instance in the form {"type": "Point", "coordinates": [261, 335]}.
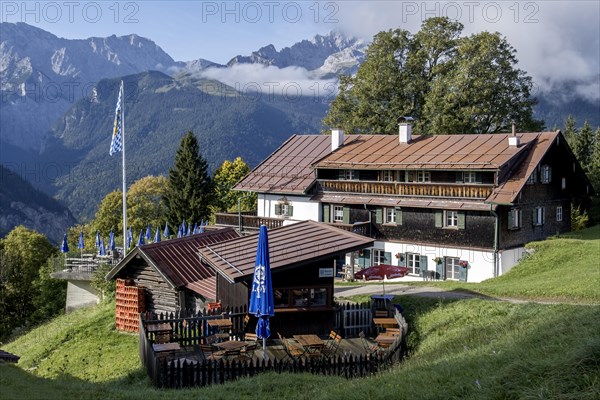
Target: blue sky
{"type": "Point", "coordinates": [555, 40]}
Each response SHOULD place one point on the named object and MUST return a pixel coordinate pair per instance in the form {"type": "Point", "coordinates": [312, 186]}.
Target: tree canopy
{"type": "Point", "coordinates": [22, 254]}
{"type": "Point", "coordinates": [225, 178]}
{"type": "Point", "coordinates": [450, 84]}
{"type": "Point", "coordinates": [189, 188]}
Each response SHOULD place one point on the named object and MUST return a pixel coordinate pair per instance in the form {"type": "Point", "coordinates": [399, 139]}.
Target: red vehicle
{"type": "Point", "coordinates": [377, 272]}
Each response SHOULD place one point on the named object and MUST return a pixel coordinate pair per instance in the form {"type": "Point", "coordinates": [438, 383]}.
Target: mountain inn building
{"type": "Point", "coordinates": [449, 207]}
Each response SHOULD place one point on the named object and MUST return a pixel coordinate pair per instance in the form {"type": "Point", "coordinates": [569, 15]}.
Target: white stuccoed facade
{"type": "Point", "coordinates": [481, 262]}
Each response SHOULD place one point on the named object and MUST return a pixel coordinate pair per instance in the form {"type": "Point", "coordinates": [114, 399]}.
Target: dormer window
{"type": "Point", "coordinates": [348, 174]}
{"type": "Point", "coordinates": [418, 176]}
{"type": "Point", "coordinates": [470, 177]}
{"type": "Point", "coordinates": [387, 175]}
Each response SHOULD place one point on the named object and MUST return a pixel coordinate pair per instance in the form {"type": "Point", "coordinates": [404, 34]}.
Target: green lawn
{"type": "Point", "coordinates": [564, 269]}
{"type": "Point", "coordinates": [459, 349]}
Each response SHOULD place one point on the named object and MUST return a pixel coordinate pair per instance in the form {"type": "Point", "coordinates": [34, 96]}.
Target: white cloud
{"type": "Point", "coordinates": [290, 82]}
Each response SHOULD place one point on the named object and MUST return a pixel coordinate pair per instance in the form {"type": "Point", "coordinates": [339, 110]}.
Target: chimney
{"type": "Point", "coordinates": [405, 129]}
{"type": "Point", "coordinates": [514, 140]}
{"type": "Point", "coordinates": [337, 139]}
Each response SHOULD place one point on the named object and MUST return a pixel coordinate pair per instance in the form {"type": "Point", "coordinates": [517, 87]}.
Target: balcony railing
{"type": "Point", "coordinates": [455, 190]}
{"type": "Point", "coordinates": [248, 221]}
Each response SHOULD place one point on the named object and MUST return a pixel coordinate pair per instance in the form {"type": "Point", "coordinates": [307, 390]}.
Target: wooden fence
{"type": "Point", "coordinates": [179, 372]}
{"type": "Point", "coordinates": [353, 318]}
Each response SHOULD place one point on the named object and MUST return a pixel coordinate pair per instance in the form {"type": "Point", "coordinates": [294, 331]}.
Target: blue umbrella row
{"type": "Point", "coordinates": [99, 241]}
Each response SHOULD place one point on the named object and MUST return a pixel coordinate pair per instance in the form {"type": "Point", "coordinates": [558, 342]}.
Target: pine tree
{"type": "Point", "coordinates": [189, 189]}
{"type": "Point", "coordinates": [570, 131]}
{"type": "Point", "coordinates": [594, 169]}
{"type": "Point", "coordinates": [583, 146]}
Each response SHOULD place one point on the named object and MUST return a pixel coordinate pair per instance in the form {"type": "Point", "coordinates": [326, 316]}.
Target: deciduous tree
{"type": "Point", "coordinates": [449, 83]}
{"type": "Point", "coordinates": [225, 178]}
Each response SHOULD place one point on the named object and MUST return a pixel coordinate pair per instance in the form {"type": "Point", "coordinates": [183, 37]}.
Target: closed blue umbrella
{"type": "Point", "coordinates": [80, 244]}
{"type": "Point", "coordinates": [157, 235]}
{"type": "Point", "coordinates": [179, 232]}
{"type": "Point", "coordinates": [141, 238]}
{"type": "Point", "coordinates": [183, 228]}
{"type": "Point", "coordinates": [166, 233]}
{"type": "Point", "coordinates": [64, 247]}
{"type": "Point", "coordinates": [97, 243]}
{"type": "Point", "coordinates": [189, 230]}
{"type": "Point", "coordinates": [195, 228]}
{"type": "Point", "coordinates": [129, 237]}
{"type": "Point", "coordinates": [148, 232]}
{"type": "Point", "coordinates": [111, 241]}
{"type": "Point", "coordinates": [201, 228]}
{"type": "Point", "coordinates": [102, 250]}
{"type": "Point", "coordinates": [261, 297]}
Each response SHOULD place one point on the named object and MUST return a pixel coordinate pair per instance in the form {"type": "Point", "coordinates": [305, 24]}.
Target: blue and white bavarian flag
{"type": "Point", "coordinates": [116, 144]}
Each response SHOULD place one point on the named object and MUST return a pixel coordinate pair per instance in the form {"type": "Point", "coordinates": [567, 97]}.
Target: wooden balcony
{"type": "Point", "coordinates": [249, 221]}
{"type": "Point", "coordinates": [450, 190]}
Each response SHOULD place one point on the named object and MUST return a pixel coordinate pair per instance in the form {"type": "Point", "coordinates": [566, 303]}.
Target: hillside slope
{"type": "Point", "coordinates": [459, 349]}
{"type": "Point", "coordinates": [22, 204]}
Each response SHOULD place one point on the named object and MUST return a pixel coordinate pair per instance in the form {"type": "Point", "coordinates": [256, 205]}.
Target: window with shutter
{"type": "Point", "coordinates": [423, 264]}
{"type": "Point", "coordinates": [398, 216]}
{"type": "Point", "coordinates": [290, 210]}
{"type": "Point", "coordinates": [277, 209]}
{"type": "Point", "coordinates": [326, 216]}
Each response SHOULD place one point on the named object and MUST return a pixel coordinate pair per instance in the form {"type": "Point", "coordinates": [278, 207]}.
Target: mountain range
{"type": "Point", "coordinates": [58, 97]}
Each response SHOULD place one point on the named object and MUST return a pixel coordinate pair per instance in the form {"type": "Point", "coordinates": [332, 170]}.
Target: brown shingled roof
{"type": "Point", "coordinates": [458, 152]}
{"type": "Point", "coordinates": [288, 170]}
{"type": "Point", "coordinates": [289, 246]}
{"type": "Point", "coordinates": [507, 191]}
{"type": "Point", "coordinates": [177, 260]}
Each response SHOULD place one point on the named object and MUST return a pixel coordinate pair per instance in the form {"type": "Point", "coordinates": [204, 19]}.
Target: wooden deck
{"type": "Point", "coordinates": [275, 350]}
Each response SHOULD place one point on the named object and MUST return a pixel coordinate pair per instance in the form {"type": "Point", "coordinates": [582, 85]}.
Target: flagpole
{"type": "Point", "coordinates": [122, 94]}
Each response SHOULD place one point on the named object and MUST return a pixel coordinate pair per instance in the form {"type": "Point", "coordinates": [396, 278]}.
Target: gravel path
{"type": "Point", "coordinates": [428, 291]}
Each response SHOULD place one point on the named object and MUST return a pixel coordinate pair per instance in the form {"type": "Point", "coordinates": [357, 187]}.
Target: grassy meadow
{"type": "Point", "coordinates": [459, 348]}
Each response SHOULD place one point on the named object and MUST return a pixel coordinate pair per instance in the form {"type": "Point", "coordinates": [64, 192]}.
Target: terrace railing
{"type": "Point", "coordinates": [453, 190]}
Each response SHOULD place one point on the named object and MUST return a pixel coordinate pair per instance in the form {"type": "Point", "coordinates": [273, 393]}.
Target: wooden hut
{"type": "Point", "coordinates": [171, 272]}
{"type": "Point", "coordinates": [302, 259]}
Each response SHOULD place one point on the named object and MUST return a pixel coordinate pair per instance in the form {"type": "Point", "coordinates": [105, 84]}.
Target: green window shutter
{"type": "Point", "coordinates": [461, 220]}
{"type": "Point", "coordinates": [379, 216]}
{"type": "Point", "coordinates": [398, 216]}
{"type": "Point", "coordinates": [462, 274]}
{"type": "Point", "coordinates": [387, 257]}
{"type": "Point", "coordinates": [277, 209]}
{"type": "Point", "coordinates": [440, 271]}
{"type": "Point", "coordinates": [346, 215]}
{"type": "Point", "coordinates": [511, 221]}
{"type": "Point", "coordinates": [290, 211]}
{"type": "Point", "coordinates": [438, 218]}
{"type": "Point", "coordinates": [534, 217]}
{"type": "Point", "coordinates": [543, 215]}
{"type": "Point", "coordinates": [326, 217]}
{"type": "Point", "coordinates": [459, 177]}
{"type": "Point", "coordinates": [423, 264]}
{"type": "Point", "coordinates": [478, 177]}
